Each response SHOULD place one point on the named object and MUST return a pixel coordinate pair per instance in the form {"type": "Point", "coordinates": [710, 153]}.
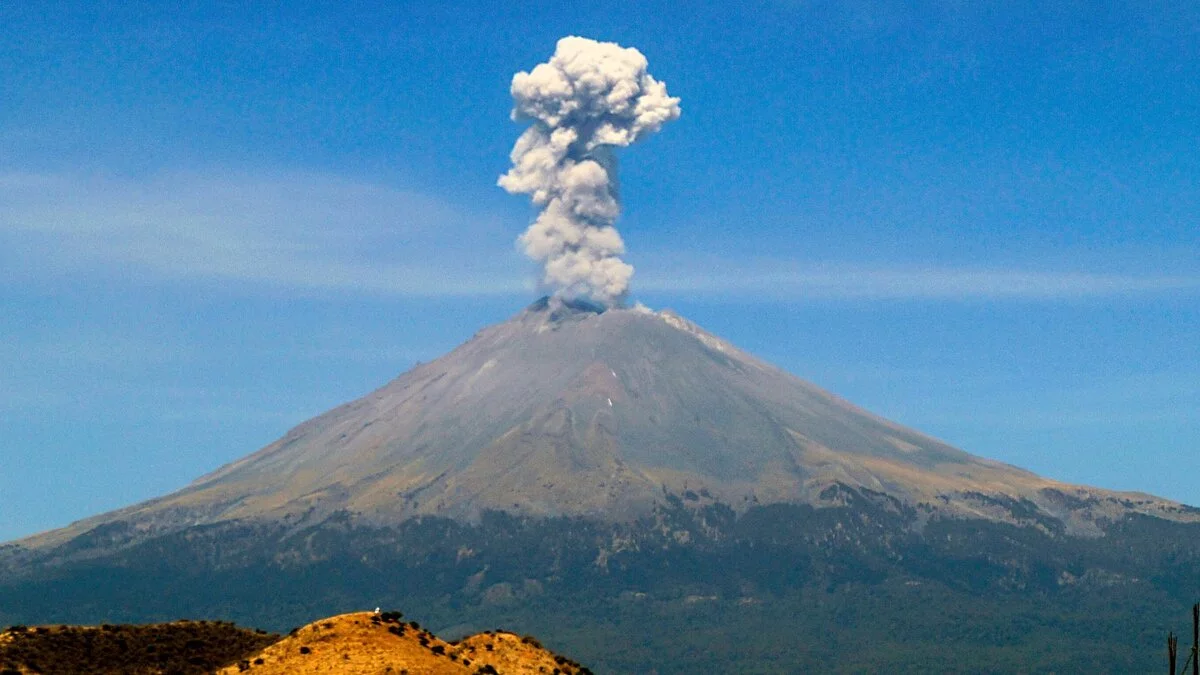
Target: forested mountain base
{"type": "Point", "coordinates": [777, 589]}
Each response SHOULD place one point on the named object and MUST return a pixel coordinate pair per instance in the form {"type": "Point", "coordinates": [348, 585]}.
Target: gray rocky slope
{"type": "Point", "coordinates": [566, 410]}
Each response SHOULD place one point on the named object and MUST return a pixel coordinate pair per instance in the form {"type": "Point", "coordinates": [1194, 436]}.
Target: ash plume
{"type": "Point", "coordinates": [588, 99]}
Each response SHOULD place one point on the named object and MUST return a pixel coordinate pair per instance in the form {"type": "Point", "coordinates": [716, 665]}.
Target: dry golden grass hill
{"type": "Point", "coordinates": [366, 643]}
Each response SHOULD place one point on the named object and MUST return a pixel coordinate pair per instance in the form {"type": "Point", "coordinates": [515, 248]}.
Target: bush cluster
{"type": "Point", "coordinates": [185, 647]}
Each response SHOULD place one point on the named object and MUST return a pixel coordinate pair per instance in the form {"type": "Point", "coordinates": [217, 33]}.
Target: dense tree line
{"type": "Point", "coordinates": [695, 587]}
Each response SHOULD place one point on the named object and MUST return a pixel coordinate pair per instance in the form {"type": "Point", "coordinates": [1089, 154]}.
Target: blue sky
{"type": "Point", "coordinates": [979, 219]}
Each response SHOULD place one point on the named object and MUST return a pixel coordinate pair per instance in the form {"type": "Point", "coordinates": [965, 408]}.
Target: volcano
{"type": "Point", "coordinates": [569, 409]}
{"type": "Point", "coordinates": [577, 454]}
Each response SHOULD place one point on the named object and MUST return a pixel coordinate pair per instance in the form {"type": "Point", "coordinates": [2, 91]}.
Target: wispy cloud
{"type": "Point", "coordinates": [291, 230]}
{"type": "Point", "coordinates": [772, 280]}
{"type": "Point", "coordinates": [305, 232]}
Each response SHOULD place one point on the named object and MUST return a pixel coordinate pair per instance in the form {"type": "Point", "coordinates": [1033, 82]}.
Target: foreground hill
{"type": "Point", "coordinates": [649, 497]}
{"type": "Point", "coordinates": [360, 643]}
{"type": "Point", "coordinates": [179, 647]}
{"type": "Point", "coordinates": [367, 644]}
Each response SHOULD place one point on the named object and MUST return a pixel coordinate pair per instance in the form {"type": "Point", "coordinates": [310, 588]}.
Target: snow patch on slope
{"type": "Point", "coordinates": [679, 323]}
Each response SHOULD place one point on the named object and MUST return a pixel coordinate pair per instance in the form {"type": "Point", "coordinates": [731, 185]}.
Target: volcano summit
{"type": "Point", "coordinates": [583, 472]}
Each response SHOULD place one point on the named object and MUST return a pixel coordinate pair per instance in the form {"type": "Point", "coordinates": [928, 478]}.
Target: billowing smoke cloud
{"type": "Point", "coordinates": [588, 99]}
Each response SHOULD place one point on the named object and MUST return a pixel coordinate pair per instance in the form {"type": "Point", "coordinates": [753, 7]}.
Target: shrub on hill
{"type": "Point", "coordinates": [185, 647]}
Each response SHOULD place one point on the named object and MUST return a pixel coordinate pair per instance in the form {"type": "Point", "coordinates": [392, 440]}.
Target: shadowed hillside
{"type": "Point", "coordinates": [180, 647]}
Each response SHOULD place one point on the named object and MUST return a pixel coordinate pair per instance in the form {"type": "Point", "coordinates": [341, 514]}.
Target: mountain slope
{"type": "Point", "coordinates": [565, 410]}
{"type": "Point", "coordinates": [650, 498]}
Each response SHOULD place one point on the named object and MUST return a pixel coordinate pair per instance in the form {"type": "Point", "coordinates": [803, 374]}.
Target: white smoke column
{"type": "Point", "coordinates": [589, 98]}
